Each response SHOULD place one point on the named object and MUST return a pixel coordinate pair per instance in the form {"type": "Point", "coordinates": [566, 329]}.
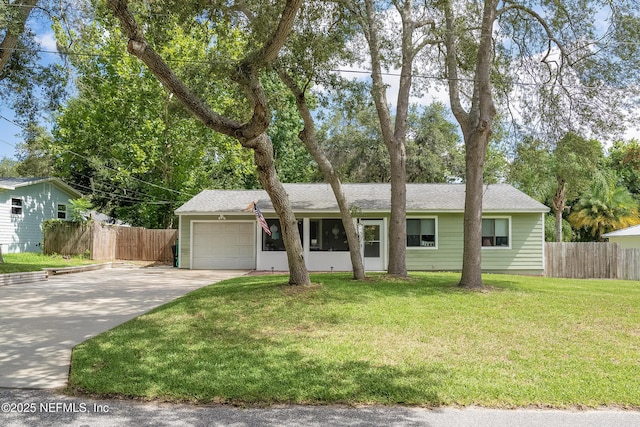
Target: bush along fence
{"type": "Point", "coordinates": [593, 260]}
{"type": "Point", "coordinates": [108, 242]}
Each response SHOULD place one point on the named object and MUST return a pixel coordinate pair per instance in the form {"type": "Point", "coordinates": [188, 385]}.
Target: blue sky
{"type": "Point", "coordinates": [9, 134]}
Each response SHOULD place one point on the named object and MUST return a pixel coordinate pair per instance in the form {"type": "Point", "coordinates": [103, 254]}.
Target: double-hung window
{"type": "Point", "coordinates": [16, 206]}
{"type": "Point", "coordinates": [62, 211]}
{"type": "Point", "coordinates": [495, 232]}
{"type": "Point", "coordinates": [421, 232]}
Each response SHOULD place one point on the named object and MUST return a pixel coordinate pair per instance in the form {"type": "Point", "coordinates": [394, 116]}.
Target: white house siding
{"type": "Point", "coordinates": [23, 233]}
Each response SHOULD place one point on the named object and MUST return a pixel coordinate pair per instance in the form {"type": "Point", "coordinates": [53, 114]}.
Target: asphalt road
{"type": "Point", "coordinates": [47, 408]}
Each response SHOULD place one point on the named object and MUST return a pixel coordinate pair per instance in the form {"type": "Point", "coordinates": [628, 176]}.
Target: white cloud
{"type": "Point", "coordinates": [47, 41]}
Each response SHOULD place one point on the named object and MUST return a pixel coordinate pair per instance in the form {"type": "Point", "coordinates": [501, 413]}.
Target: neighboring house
{"type": "Point", "coordinates": [215, 232]}
{"type": "Point", "coordinates": [106, 219]}
{"type": "Point", "coordinates": [26, 203]}
{"type": "Point", "coordinates": [628, 238]}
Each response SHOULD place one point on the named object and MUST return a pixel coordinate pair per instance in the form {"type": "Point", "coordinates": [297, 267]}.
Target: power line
{"type": "Point", "coordinates": [108, 167]}
{"type": "Point", "coordinates": [388, 74]}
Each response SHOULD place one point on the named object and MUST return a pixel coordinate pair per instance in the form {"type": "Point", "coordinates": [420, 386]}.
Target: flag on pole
{"type": "Point", "coordinates": [261, 220]}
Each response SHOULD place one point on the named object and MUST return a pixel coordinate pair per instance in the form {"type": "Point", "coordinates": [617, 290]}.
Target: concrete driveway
{"type": "Point", "coordinates": [41, 322]}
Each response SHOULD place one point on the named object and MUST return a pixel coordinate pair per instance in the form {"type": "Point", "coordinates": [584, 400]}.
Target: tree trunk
{"type": "Point", "coordinates": [263, 155]}
{"type": "Point", "coordinates": [394, 138]}
{"type": "Point", "coordinates": [474, 188]}
{"type": "Point", "coordinates": [476, 128]}
{"type": "Point", "coordinates": [558, 208]}
{"type": "Point", "coordinates": [398, 218]}
{"type": "Point", "coordinates": [251, 134]}
{"type": "Point", "coordinates": [308, 137]}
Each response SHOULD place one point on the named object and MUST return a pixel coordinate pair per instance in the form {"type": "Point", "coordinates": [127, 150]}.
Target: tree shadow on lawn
{"type": "Point", "coordinates": [242, 367]}
{"type": "Point", "coordinates": [341, 287]}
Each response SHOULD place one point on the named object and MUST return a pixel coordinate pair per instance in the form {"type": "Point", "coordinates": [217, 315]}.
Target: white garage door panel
{"type": "Point", "coordinates": [223, 245]}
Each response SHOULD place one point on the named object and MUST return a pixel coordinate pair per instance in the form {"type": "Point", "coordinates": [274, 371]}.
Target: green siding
{"type": "Point", "coordinates": [525, 254]}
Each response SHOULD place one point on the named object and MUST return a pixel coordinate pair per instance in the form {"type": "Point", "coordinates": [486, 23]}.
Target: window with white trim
{"type": "Point", "coordinates": [495, 232]}
{"type": "Point", "coordinates": [16, 206]}
{"type": "Point", "coordinates": [421, 232]}
{"type": "Point", "coordinates": [62, 211]}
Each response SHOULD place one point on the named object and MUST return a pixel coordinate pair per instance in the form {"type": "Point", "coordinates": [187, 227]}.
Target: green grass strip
{"type": "Point", "coordinates": [29, 261]}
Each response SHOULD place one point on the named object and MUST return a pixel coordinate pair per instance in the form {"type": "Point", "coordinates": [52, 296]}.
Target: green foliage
{"type": "Point", "coordinates": [50, 224]}
{"type": "Point", "coordinates": [293, 161]}
{"type": "Point", "coordinates": [550, 229]}
{"type": "Point", "coordinates": [79, 210]}
{"type": "Point", "coordinates": [436, 153]}
{"type": "Point", "coordinates": [624, 159]}
{"type": "Point", "coordinates": [8, 168]}
{"type": "Point", "coordinates": [538, 168]}
{"type": "Point", "coordinates": [350, 134]}
{"type": "Point", "coordinates": [575, 160]}
{"type": "Point", "coordinates": [29, 86]}
{"type": "Point", "coordinates": [604, 207]}
{"type": "Point", "coordinates": [33, 153]}
{"type": "Point", "coordinates": [531, 169]}
{"type": "Point", "coordinates": [529, 341]}
{"type": "Point", "coordinates": [128, 143]}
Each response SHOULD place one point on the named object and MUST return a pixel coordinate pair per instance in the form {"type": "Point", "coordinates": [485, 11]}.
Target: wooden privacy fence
{"type": "Point", "coordinates": [109, 242]}
{"type": "Point", "coordinates": [592, 260]}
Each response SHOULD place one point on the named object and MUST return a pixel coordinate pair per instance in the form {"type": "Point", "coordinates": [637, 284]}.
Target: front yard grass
{"type": "Point", "coordinates": [29, 261]}
{"type": "Point", "coordinates": [255, 341]}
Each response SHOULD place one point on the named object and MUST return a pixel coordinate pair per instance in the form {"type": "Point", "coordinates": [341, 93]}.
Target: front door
{"type": "Point", "coordinates": [373, 243]}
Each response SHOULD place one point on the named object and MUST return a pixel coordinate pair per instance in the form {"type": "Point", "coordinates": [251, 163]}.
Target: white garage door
{"type": "Point", "coordinates": [223, 245]}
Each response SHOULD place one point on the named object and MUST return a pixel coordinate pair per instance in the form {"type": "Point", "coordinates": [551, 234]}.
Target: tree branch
{"type": "Point", "coordinates": [247, 74]}
{"type": "Point", "coordinates": [542, 22]}
{"type": "Point", "coordinates": [14, 30]}
{"type": "Point", "coordinates": [452, 68]}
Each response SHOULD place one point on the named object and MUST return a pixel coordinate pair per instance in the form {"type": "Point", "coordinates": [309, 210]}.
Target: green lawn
{"type": "Point", "coordinates": [29, 261]}
{"type": "Point", "coordinates": [254, 340]}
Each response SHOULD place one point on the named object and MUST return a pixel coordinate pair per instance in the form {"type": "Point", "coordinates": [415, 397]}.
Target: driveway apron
{"type": "Point", "coordinates": [41, 322]}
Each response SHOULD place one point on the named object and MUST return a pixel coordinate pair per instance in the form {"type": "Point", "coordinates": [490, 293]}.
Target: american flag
{"type": "Point", "coordinates": [261, 220]}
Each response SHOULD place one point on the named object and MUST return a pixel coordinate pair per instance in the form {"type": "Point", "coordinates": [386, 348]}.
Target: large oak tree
{"type": "Point", "coordinates": [267, 38]}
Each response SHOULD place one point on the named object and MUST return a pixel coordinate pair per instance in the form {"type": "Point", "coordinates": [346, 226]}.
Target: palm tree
{"type": "Point", "coordinates": [605, 207]}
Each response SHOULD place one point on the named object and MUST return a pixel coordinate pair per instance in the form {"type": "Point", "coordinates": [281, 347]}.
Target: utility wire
{"type": "Point", "coordinates": [107, 167]}
{"type": "Point", "coordinates": [388, 74]}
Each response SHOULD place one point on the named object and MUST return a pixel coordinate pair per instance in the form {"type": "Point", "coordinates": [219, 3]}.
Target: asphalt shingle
{"type": "Point", "coordinates": [367, 197]}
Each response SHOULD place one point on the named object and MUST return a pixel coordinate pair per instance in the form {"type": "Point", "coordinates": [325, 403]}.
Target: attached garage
{"type": "Point", "coordinates": [221, 245]}
{"type": "Point", "coordinates": [219, 229]}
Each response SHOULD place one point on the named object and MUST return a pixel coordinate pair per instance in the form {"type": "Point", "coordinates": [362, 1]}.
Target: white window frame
{"type": "Point", "coordinates": [509, 226]}
{"type": "Point", "coordinates": [17, 206]}
{"type": "Point", "coordinates": [437, 240]}
{"type": "Point", "coordinates": [62, 211]}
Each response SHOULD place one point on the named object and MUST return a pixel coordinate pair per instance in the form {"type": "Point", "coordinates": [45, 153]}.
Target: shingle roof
{"type": "Point", "coordinates": [13, 183]}
{"type": "Point", "coordinates": [625, 232]}
{"type": "Point", "coordinates": [367, 197]}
